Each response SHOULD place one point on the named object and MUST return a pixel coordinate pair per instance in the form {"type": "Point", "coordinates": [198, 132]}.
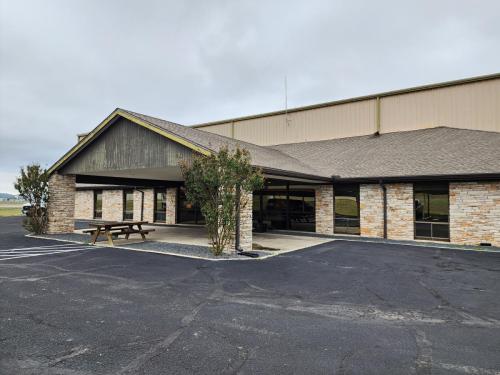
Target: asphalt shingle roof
{"type": "Point", "coordinates": [426, 152]}
{"type": "Point", "coordinates": [265, 157]}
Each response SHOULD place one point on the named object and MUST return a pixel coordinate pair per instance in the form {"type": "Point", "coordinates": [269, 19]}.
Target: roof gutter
{"type": "Point", "coordinates": [283, 173]}
{"type": "Point", "coordinates": [415, 178]}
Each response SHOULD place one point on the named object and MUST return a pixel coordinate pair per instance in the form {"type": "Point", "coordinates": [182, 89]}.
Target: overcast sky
{"type": "Point", "coordinates": [65, 65]}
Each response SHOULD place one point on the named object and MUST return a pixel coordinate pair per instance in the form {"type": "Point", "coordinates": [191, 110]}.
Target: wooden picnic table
{"type": "Point", "coordinates": [117, 228]}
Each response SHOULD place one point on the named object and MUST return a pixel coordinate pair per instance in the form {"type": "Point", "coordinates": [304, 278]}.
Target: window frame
{"type": "Point", "coordinates": [124, 211]}
{"type": "Point", "coordinates": [430, 223]}
{"type": "Point", "coordinates": [353, 186]}
{"type": "Point", "coordinates": [155, 211]}
{"type": "Point", "coordinates": [94, 211]}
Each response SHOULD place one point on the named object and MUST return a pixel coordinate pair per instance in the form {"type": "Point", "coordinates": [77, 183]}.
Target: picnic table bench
{"type": "Point", "coordinates": [117, 228]}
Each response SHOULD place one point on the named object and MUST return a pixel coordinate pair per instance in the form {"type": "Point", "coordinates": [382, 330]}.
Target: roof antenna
{"type": "Point", "coordinates": [287, 120]}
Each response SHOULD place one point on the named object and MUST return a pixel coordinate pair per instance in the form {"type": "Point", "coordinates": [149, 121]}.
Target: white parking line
{"type": "Point", "coordinates": [40, 251]}
{"type": "Point", "coordinates": [7, 254]}
{"type": "Point", "coordinates": [46, 246]}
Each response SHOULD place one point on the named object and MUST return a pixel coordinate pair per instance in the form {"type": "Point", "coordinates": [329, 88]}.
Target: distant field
{"type": "Point", "coordinates": [10, 209]}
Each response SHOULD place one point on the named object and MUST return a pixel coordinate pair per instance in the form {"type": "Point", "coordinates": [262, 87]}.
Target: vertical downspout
{"type": "Point", "coordinates": [377, 116]}
{"type": "Point", "coordinates": [287, 226]}
{"type": "Point", "coordinates": [384, 197]}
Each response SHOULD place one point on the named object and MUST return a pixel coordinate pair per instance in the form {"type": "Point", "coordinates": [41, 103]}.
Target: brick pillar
{"type": "Point", "coordinates": [371, 210]}
{"type": "Point", "coordinates": [61, 206]}
{"type": "Point", "coordinates": [324, 209]}
{"type": "Point", "coordinates": [171, 199]}
{"type": "Point", "coordinates": [112, 205]}
{"type": "Point", "coordinates": [400, 221]}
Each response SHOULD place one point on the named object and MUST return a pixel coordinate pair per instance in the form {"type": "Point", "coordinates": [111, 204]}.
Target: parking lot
{"type": "Point", "coordinates": [340, 307]}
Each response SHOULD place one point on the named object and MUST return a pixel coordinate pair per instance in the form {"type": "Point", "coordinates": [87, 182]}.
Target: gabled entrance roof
{"type": "Point", "coordinates": [272, 161]}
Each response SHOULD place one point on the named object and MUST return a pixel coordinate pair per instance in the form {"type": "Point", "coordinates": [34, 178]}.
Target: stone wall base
{"type": "Point", "coordinates": [475, 213]}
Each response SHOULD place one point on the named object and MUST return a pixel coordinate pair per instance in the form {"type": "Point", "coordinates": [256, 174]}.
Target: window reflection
{"type": "Point", "coordinates": [160, 205]}
{"type": "Point", "coordinates": [347, 209]}
{"type": "Point", "coordinates": [188, 213]}
{"type": "Point", "coordinates": [431, 211]}
{"type": "Point", "coordinates": [128, 204]}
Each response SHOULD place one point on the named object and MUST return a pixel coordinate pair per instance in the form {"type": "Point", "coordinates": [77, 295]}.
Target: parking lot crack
{"type": "Point", "coordinates": [160, 347]}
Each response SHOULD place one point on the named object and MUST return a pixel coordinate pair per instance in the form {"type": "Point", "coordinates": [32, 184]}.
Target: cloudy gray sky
{"type": "Point", "coordinates": [65, 65]}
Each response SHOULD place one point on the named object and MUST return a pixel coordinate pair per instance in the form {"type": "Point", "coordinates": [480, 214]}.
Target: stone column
{"type": "Point", "coordinates": [137, 205]}
{"type": "Point", "coordinates": [325, 214]}
{"type": "Point", "coordinates": [84, 204]}
{"type": "Point", "coordinates": [400, 218]}
{"type": "Point", "coordinates": [149, 205]}
{"type": "Point", "coordinates": [171, 198]}
{"type": "Point", "coordinates": [112, 205]}
{"type": "Point", "coordinates": [61, 206]}
{"type": "Point", "coordinates": [246, 225]}
{"type": "Point", "coordinates": [371, 210]}
{"type": "Point", "coordinates": [246, 221]}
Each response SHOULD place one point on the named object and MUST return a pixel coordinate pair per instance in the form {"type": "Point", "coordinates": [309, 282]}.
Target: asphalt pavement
{"type": "Point", "coordinates": [337, 308]}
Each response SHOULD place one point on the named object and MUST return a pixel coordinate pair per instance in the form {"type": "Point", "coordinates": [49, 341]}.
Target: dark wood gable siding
{"type": "Point", "coordinates": [125, 145]}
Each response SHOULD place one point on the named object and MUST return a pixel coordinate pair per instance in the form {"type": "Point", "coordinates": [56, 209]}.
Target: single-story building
{"type": "Point", "coordinates": [415, 164]}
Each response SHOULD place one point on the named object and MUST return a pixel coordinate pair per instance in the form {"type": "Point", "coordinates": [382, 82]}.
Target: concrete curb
{"type": "Point", "coordinates": [243, 258]}
{"type": "Point", "coordinates": [431, 244]}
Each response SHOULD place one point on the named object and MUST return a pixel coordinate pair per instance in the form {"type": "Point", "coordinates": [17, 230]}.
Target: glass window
{"type": "Point", "coordinates": [301, 210]}
{"type": "Point", "coordinates": [347, 209]}
{"type": "Point", "coordinates": [128, 204]}
{"type": "Point", "coordinates": [160, 205]}
{"type": "Point", "coordinates": [279, 209]}
{"type": "Point", "coordinates": [431, 211]}
{"type": "Point", "coordinates": [187, 212]}
{"type": "Point", "coordinates": [97, 204]}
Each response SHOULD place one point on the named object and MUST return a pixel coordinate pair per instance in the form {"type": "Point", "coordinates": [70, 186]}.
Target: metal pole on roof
{"type": "Point", "coordinates": [287, 122]}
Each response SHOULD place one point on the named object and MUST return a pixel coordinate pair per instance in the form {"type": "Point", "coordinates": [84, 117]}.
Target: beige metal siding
{"type": "Point", "coordinates": [221, 129]}
{"type": "Point", "coordinates": [471, 106]}
{"type": "Point", "coordinates": [338, 121]}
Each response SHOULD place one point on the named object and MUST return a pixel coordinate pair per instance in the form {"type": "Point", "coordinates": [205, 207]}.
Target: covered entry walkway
{"type": "Point", "coordinates": [135, 161]}
{"type": "Point", "coordinates": [196, 235]}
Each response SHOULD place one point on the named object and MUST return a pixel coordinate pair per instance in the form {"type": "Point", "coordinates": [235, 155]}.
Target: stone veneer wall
{"type": "Point", "coordinates": [475, 212]}
{"type": "Point", "coordinates": [371, 210]}
{"type": "Point", "coordinates": [61, 206]}
{"type": "Point", "coordinates": [400, 221]}
{"type": "Point", "coordinates": [84, 204]}
{"type": "Point", "coordinates": [112, 205]}
{"type": "Point", "coordinates": [324, 209]}
{"type": "Point", "coordinates": [171, 198]}
{"type": "Point", "coordinates": [112, 201]}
